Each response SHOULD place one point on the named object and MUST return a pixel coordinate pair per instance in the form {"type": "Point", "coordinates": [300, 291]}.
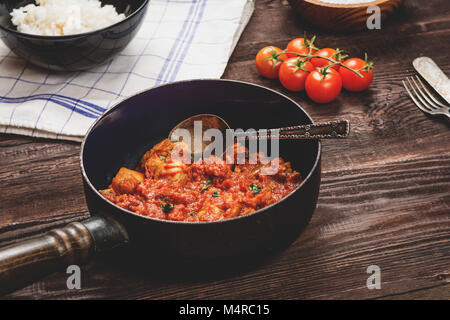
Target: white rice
{"type": "Point", "coordinates": [64, 17]}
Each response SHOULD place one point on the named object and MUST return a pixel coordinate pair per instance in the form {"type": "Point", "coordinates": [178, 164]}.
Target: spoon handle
{"type": "Point", "coordinates": [322, 130]}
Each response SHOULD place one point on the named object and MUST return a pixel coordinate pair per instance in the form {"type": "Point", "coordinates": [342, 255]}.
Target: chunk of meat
{"type": "Point", "coordinates": [158, 162]}
{"type": "Point", "coordinates": [126, 181]}
{"type": "Point", "coordinates": [176, 171]}
{"type": "Point", "coordinates": [107, 193]}
{"type": "Point", "coordinates": [160, 151]}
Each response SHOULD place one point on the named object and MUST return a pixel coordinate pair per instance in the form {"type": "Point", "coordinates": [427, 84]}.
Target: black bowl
{"type": "Point", "coordinates": [73, 52]}
{"type": "Point", "coordinates": [122, 135]}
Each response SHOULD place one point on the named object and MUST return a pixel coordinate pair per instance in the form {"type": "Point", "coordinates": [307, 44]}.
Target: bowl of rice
{"type": "Point", "coordinates": [342, 15]}
{"type": "Point", "coordinates": [70, 35]}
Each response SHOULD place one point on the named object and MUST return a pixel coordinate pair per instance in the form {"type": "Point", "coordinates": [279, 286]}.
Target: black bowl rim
{"type": "Point", "coordinates": [78, 35]}
{"type": "Point", "coordinates": [86, 179]}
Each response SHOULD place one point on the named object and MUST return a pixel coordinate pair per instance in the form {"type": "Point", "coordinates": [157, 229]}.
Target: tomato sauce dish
{"type": "Point", "coordinates": [208, 190]}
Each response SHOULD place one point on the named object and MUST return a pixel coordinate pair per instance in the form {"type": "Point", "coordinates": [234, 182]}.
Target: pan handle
{"type": "Point", "coordinates": [25, 262]}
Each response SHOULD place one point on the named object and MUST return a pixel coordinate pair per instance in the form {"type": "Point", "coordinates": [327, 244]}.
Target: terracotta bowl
{"type": "Point", "coordinates": [341, 17]}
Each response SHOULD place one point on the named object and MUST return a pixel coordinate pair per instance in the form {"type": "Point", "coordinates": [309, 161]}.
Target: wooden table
{"type": "Point", "coordinates": [384, 200]}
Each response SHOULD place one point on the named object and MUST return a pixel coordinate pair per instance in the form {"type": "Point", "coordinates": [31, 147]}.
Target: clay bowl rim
{"type": "Point", "coordinates": [345, 6]}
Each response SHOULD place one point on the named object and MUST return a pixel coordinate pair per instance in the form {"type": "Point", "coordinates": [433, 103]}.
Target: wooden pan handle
{"type": "Point", "coordinates": [25, 262]}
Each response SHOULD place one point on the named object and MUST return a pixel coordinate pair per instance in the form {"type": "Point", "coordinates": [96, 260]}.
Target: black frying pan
{"type": "Point", "coordinates": [122, 135]}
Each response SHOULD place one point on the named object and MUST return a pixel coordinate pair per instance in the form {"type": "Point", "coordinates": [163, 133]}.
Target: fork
{"type": "Point", "coordinates": [424, 99]}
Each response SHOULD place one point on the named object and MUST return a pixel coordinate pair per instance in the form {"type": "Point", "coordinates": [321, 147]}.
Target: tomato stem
{"type": "Point", "coordinates": [300, 64]}
{"type": "Point", "coordinates": [310, 56]}
{"type": "Point", "coordinates": [274, 58]}
{"type": "Point", "coordinates": [368, 65]}
{"type": "Point", "coordinates": [324, 70]}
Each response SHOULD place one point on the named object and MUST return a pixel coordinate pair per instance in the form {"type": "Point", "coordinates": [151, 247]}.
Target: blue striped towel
{"type": "Point", "coordinates": [180, 39]}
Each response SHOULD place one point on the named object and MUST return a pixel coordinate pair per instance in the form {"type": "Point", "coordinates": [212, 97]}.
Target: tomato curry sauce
{"type": "Point", "coordinates": [207, 190]}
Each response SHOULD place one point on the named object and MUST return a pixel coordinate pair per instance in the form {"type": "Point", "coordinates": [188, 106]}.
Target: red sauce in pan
{"type": "Point", "coordinates": [207, 190]}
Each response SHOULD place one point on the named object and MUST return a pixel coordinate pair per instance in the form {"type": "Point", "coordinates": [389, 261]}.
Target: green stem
{"type": "Point", "coordinates": [310, 56]}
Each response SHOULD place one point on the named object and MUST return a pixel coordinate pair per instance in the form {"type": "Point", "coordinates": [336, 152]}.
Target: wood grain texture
{"type": "Point", "coordinates": [385, 193]}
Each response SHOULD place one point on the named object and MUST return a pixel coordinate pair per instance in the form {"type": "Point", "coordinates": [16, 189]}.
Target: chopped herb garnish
{"type": "Point", "coordinates": [162, 158]}
{"type": "Point", "coordinates": [167, 207]}
{"type": "Point", "coordinates": [255, 188]}
{"type": "Point", "coordinates": [216, 195]}
{"type": "Point", "coordinates": [206, 186]}
{"type": "Point", "coordinates": [193, 214]}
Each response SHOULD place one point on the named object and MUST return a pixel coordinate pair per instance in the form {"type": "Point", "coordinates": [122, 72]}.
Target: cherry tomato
{"type": "Point", "coordinates": [301, 45]}
{"type": "Point", "coordinates": [293, 73]}
{"type": "Point", "coordinates": [327, 53]}
{"type": "Point", "coordinates": [268, 61]}
{"type": "Point", "coordinates": [352, 81]}
{"type": "Point", "coordinates": [323, 85]}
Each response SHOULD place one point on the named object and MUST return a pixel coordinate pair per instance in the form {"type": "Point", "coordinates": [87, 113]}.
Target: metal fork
{"type": "Point", "coordinates": [424, 99]}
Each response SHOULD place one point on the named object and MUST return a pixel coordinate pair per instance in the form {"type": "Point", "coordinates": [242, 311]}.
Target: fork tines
{"type": "Point", "coordinates": [423, 98]}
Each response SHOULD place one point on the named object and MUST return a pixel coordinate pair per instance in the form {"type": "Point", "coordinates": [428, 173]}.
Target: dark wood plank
{"type": "Point", "coordinates": [384, 200]}
{"type": "Point", "coordinates": [436, 293]}
{"type": "Point", "coordinates": [49, 196]}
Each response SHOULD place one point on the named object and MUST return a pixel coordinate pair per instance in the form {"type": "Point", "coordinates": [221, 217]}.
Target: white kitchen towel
{"type": "Point", "coordinates": [180, 39]}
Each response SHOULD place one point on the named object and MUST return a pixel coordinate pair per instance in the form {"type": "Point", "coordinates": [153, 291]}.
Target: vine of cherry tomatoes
{"type": "Point", "coordinates": [322, 73]}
